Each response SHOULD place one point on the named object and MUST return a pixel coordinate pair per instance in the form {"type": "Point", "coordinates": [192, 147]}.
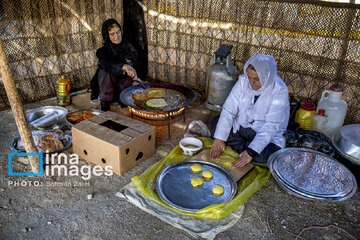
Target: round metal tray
{"type": "Point", "coordinates": [189, 96]}
{"type": "Point", "coordinates": [66, 142]}
{"type": "Point", "coordinates": [173, 185]}
{"type": "Point", "coordinates": [312, 175]}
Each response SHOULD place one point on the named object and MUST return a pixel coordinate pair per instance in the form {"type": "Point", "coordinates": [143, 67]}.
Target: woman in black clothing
{"type": "Point", "coordinates": [117, 63]}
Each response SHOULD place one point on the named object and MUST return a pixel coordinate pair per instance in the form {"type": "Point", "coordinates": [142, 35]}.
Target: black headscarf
{"type": "Point", "coordinates": [122, 49]}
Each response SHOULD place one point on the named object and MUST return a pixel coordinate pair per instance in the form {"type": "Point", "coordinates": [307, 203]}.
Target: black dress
{"type": "Point", "coordinates": [109, 79]}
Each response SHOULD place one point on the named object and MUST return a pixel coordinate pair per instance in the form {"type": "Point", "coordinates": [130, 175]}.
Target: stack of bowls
{"type": "Point", "coordinates": [312, 175]}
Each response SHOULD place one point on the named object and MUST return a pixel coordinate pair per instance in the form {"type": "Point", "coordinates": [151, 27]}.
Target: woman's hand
{"type": "Point", "coordinates": [244, 158]}
{"type": "Point", "coordinates": [129, 70]}
{"type": "Point", "coordinates": [217, 147]}
{"type": "Point", "coordinates": [135, 83]}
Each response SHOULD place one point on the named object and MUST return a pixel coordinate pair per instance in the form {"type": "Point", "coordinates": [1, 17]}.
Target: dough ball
{"type": "Point", "coordinates": [207, 175]}
{"type": "Point", "coordinates": [197, 182]}
{"type": "Point", "coordinates": [218, 190]}
{"type": "Point", "coordinates": [196, 168]}
{"type": "Point", "coordinates": [228, 165]}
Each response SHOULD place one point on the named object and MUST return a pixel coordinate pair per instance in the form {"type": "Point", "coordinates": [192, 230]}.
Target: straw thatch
{"type": "Point", "coordinates": [314, 44]}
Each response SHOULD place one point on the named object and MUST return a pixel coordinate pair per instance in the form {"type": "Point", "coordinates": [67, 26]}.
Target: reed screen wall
{"type": "Point", "coordinates": [314, 44]}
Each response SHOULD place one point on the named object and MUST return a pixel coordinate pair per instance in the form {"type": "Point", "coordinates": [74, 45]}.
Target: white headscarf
{"type": "Point", "coordinates": [265, 67]}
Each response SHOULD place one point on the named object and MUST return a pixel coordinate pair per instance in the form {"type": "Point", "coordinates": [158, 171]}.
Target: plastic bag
{"type": "Point", "coordinates": [246, 187]}
{"type": "Point", "coordinates": [309, 139]}
{"type": "Point", "coordinates": [45, 141]}
{"type": "Point", "coordinates": [197, 128]}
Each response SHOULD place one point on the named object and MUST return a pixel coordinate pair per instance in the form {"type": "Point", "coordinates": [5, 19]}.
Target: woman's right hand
{"type": "Point", "coordinates": [217, 147]}
{"type": "Point", "coordinates": [129, 70]}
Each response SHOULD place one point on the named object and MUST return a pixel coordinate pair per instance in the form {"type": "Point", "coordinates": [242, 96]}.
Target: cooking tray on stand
{"type": "Point", "coordinates": [173, 185]}
{"type": "Point", "coordinates": [188, 96]}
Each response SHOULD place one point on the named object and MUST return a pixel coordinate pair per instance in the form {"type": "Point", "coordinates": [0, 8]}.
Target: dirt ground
{"type": "Point", "coordinates": [61, 209]}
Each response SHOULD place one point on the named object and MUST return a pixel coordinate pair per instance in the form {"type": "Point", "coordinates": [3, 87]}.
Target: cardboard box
{"type": "Point", "coordinates": [112, 139]}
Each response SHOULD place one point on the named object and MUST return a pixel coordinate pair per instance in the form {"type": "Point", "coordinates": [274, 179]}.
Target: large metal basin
{"type": "Point", "coordinates": [45, 117]}
{"type": "Point", "coordinates": [347, 142]}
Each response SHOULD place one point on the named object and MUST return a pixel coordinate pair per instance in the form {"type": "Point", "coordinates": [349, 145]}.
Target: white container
{"type": "Point", "coordinates": [334, 107]}
{"type": "Point", "coordinates": [190, 145]}
{"type": "Point", "coordinates": [319, 121]}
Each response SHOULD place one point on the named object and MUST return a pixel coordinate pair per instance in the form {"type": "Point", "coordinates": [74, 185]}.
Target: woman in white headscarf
{"type": "Point", "coordinates": [255, 115]}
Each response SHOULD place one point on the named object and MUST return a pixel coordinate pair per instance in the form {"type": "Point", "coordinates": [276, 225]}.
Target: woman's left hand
{"type": "Point", "coordinates": [244, 158]}
{"type": "Point", "coordinates": [135, 83]}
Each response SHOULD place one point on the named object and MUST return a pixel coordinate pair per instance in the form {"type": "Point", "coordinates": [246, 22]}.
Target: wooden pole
{"type": "Point", "coordinates": [18, 109]}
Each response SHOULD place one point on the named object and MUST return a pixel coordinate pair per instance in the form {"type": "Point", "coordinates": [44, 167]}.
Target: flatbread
{"type": "Point", "coordinates": [156, 93]}
{"type": "Point", "coordinates": [140, 96]}
{"type": "Point", "coordinates": [156, 102]}
{"type": "Point", "coordinates": [78, 116]}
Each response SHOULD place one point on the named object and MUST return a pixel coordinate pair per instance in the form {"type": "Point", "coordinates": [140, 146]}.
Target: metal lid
{"type": "Point", "coordinates": [312, 175]}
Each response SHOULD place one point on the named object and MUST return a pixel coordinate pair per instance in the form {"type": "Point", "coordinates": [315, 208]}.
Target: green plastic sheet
{"type": "Point", "coordinates": [246, 187]}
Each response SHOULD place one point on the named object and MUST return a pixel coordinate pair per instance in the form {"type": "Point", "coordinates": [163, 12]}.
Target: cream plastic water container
{"type": "Point", "coordinates": [334, 107]}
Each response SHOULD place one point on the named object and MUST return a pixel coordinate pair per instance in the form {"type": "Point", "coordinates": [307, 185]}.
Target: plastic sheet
{"type": "Point", "coordinates": [196, 227]}
{"type": "Point", "coordinates": [247, 186]}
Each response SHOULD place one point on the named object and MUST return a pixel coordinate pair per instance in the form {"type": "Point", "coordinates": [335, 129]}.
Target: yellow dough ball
{"type": "Point", "coordinates": [207, 175]}
{"type": "Point", "coordinates": [196, 168]}
{"type": "Point", "coordinates": [197, 182]}
{"type": "Point", "coordinates": [218, 190]}
{"type": "Point", "coordinates": [228, 165]}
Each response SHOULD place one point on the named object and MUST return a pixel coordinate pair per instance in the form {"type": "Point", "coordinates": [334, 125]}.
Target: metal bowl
{"type": "Point", "coordinates": [45, 117]}
{"type": "Point", "coordinates": [312, 175]}
{"type": "Point", "coordinates": [347, 142]}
